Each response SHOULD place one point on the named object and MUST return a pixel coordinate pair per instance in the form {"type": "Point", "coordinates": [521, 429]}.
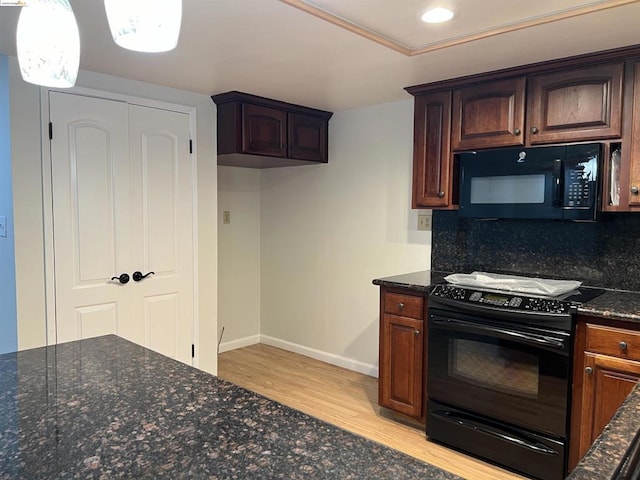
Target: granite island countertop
{"type": "Point", "coordinates": [105, 408]}
{"type": "Point", "coordinates": [602, 459]}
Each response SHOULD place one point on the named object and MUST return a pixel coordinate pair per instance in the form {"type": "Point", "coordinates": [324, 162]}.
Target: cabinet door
{"type": "Point", "coordinates": [488, 115]}
{"type": "Point", "coordinates": [634, 178]}
{"type": "Point", "coordinates": [606, 383]}
{"type": "Point", "coordinates": [264, 131]}
{"type": "Point", "coordinates": [400, 375]}
{"type": "Point", "coordinates": [432, 168]}
{"type": "Point", "coordinates": [575, 105]}
{"type": "Point", "coordinates": [307, 137]}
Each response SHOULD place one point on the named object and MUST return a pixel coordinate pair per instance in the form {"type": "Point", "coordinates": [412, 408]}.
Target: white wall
{"type": "Point", "coordinates": [239, 257]}
{"type": "Point", "coordinates": [28, 203]}
{"type": "Point", "coordinates": [328, 230]}
{"type": "Point", "coordinates": [302, 279]}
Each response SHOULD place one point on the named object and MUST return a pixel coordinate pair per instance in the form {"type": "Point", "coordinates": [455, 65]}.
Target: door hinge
{"type": "Point", "coordinates": [190, 146]}
{"type": "Point", "coordinates": [50, 131]}
{"type": "Point", "coordinates": [193, 351]}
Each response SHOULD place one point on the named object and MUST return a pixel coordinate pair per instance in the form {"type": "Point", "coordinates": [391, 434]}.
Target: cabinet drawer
{"type": "Point", "coordinates": [403, 305]}
{"type": "Point", "coordinates": [613, 341]}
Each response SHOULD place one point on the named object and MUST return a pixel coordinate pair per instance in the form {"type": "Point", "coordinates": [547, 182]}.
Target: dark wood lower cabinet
{"type": "Point", "coordinates": [606, 368]}
{"type": "Point", "coordinates": [401, 382]}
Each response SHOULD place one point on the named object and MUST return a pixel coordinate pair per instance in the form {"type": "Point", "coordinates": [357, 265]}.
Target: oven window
{"type": "Point", "coordinates": [508, 189]}
{"type": "Point", "coordinates": [494, 366]}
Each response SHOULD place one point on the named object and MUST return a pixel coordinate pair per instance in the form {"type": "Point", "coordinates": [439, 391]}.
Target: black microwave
{"type": "Point", "coordinates": [558, 182]}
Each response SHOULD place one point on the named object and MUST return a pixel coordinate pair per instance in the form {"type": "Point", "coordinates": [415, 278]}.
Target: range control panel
{"type": "Point", "coordinates": [501, 300]}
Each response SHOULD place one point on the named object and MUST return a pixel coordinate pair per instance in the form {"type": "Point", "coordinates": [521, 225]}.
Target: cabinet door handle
{"type": "Point", "coordinates": [589, 370]}
{"type": "Point", "coordinates": [534, 129]}
{"type": "Point", "coordinates": [400, 306]}
{"type": "Point", "coordinates": [634, 190]}
{"type": "Point", "coordinates": [516, 131]}
{"type": "Point", "coordinates": [440, 194]}
{"type": "Point", "coordinates": [416, 332]}
{"type": "Point", "coordinates": [623, 346]}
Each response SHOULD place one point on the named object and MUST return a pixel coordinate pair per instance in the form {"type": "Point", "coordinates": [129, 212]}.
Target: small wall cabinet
{"type": "Point", "coordinates": [258, 132]}
{"type": "Point", "coordinates": [401, 382]}
{"type": "Point", "coordinates": [606, 368]}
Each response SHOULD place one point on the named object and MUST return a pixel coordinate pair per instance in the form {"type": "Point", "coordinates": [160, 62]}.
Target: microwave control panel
{"type": "Point", "coordinates": [579, 191]}
{"type": "Point", "coordinates": [580, 176]}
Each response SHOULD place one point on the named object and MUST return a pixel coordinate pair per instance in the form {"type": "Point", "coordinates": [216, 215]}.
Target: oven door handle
{"type": "Point", "coordinates": [452, 417]}
{"type": "Point", "coordinates": [536, 340]}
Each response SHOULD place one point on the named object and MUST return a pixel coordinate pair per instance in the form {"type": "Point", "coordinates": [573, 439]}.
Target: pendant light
{"type": "Point", "coordinates": [48, 43]}
{"type": "Point", "coordinates": [145, 25]}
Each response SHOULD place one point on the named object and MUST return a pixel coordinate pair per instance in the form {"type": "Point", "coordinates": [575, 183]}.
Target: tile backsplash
{"type": "Point", "coordinates": [604, 253]}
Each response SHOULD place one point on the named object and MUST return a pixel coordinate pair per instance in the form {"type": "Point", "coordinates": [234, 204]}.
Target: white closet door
{"type": "Point", "coordinates": [162, 186]}
{"type": "Point", "coordinates": [91, 207]}
{"type": "Point", "coordinates": [123, 203]}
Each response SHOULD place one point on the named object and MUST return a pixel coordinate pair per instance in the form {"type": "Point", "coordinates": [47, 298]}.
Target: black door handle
{"type": "Point", "coordinates": [124, 278]}
{"type": "Point", "coordinates": [137, 276]}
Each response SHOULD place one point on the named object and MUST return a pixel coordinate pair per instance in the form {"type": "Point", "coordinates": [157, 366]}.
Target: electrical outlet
{"type": "Point", "coordinates": [424, 222]}
{"type": "Point", "coordinates": [226, 217]}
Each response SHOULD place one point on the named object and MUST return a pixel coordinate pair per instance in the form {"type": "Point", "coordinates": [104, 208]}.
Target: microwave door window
{"type": "Point", "coordinates": [508, 189]}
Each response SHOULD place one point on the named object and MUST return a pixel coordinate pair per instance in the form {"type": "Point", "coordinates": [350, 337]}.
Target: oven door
{"type": "Point", "coordinates": [510, 372]}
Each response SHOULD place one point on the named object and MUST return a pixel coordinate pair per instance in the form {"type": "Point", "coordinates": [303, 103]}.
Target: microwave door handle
{"type": "Point", "coordinates": [557, 179]}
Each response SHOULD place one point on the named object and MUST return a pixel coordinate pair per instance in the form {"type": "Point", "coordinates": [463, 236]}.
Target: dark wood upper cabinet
{"type": "Point", "coordinates": [488, 115]}
{"type": "Point", "coordinates": [432, 166]}
{"type": "Point", "coordinates": [307, 137]}
{"type": "Point", "coordinates": [264, 130]}
{"type": "Point", "coordinates": [258, 132]}
{"type": "Point", "coordinates": [575, 104]}
{"type": "Point", "coordinates": [632, 190]}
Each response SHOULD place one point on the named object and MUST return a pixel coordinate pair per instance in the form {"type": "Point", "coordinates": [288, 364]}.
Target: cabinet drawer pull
{"type": "Point", "coordinates": [400, 306]}
{"type": "Point", "coordinates": [634, 190]}
{"type": "Point", "coordinates": [589, 370]}
{"type": "Point", "coordinates": [623, 346]}
{"type": "Point", "coordinates": [534, 129]}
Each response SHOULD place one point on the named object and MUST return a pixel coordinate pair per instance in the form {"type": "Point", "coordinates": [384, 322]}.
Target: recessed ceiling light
{"type": "Point", "coordinates": [437, 15]}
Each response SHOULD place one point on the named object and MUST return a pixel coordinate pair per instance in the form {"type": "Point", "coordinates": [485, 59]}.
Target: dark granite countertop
{"type": "Point", "coordinates": [417, 281]}
{"type": "Point", "coordinates": [105, 408]}
{"type": "Point", "coordinates": [602, 459]}
{"type": "Point", "coordinates": [615, 304]}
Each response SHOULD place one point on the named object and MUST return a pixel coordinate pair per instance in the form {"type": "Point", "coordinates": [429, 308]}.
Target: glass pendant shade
{"type": "Point", "coordinates": [48, 43]}
{"type": "Point", "coordinates": [145, 25]}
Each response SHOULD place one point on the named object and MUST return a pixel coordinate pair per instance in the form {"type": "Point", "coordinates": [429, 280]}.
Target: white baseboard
{"type": "Point", "coordinates": [241, 342]}
{"type": "Point", "coordinates": [331, 358]}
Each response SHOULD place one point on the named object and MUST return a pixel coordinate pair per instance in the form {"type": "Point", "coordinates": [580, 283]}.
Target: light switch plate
{"type": "Point", "coordinates": [3, 226]}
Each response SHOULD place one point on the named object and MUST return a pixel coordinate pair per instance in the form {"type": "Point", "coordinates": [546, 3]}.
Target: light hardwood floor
{"type": "Point", "coordinates": [343, 398]}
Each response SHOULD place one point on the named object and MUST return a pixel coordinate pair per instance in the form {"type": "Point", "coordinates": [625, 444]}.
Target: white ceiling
{"type": "Point", "coordinates": [275, 49]}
